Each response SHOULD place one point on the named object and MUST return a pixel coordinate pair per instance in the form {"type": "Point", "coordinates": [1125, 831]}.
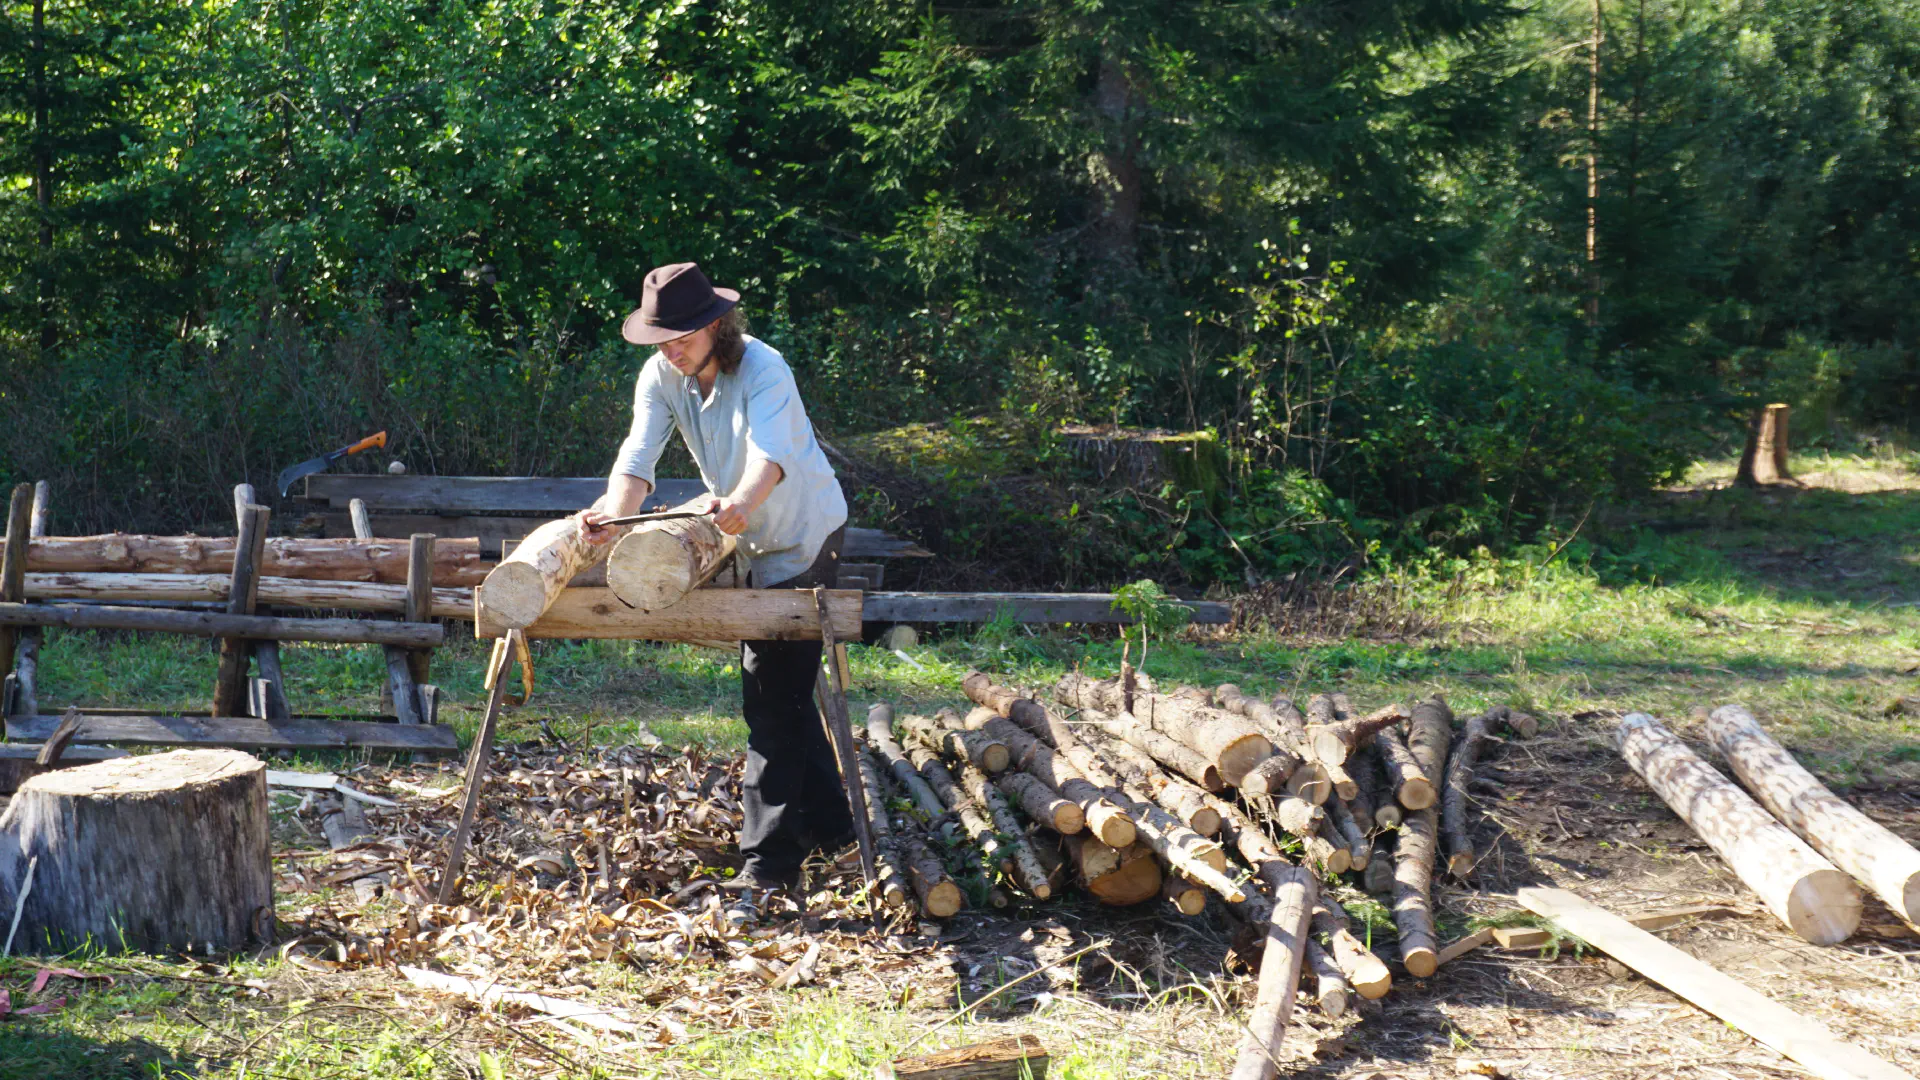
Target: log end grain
{"type": "Point", "coordinates": [514, 595]}
{"type": "Point", "coordinates": [651, 569]}
{"type": "Point", "coordinates": [1186, 897]}
{"type": "Point", "coordinates": [1461, 863]}
{"type": "Point", "coordinates": [1267, 778]}
{"type": "Point", "coordinates": [1137, 879]}
{"type": "Point", "coordinates": [1824, 907]}
{"type": "Point", "coordinates": [943, 900]}
{"type": "Point", "coordinates": [1239, 757]}
{"type": "Point", "coordinates": [1309, 782]}
{"type": "Point", "coordinates": [1416, 794]}
{"type": "Point", "coordinates": [1112, 825]}
{"type": "Point", "coordinates": [1420, 960]}
{"type": "Point", "coordinates": [1327, 745]}
{"type": "Point", "coordinates": [1069, 818]}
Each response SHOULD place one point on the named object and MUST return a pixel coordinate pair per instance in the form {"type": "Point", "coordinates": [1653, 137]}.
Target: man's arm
{"type": "Point", "coordinates": [625, 494]}
{"type": "Point", "coordinates": [730, 515]}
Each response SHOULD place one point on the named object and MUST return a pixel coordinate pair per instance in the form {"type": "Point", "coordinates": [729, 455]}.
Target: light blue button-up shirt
{"type": "Point", "coordinates": [752, 415]}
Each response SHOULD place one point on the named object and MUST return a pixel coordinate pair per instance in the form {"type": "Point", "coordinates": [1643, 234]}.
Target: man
{"type": "Point", "coordinates": [736, 405]}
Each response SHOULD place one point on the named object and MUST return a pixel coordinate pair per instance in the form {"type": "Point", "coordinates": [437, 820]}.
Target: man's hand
{"type": "Point", "coordinates": [592, 527]}
{"type": "Point", "coordinates": [729, 515]}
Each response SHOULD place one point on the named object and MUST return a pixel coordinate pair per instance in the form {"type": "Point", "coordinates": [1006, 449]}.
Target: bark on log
{"type": "Point", "coordinates": [1367, 973]}
{"type": "Point", "coordinates": [1878, 859]}
{"type": "Point", "coordinates": [1370, 773]}
{"type": "Point", "coordinates": [887, 749]}
{"type": "Point", "coordinates": [1280, 964]}
{"type": "Point", "coordinates": [1227, 741]}
{"type": "Point", "coordinates": [1174, 755]}
{"type": "Point", "coordinates": [1284, 727]}
{"type": "Point", "coordinates": [976, 795]}
{"type": "Point", "coordinates": [456, 560]}
{"type": "Point", "coordinates": [1042, 803]}
{"type": "Point", "coordinates": [230, 677]}
{"type": "Point", "coordinates": [889, 879]}
{"type": "Point", "coordinates": [1413, 894]}
{"type": "Point", "coordinates": [660, 562]}
{"type": "Point", "coordinates": [1347, 827]}
{"type": "Point", "coordinates": [1412, 787]}
{"type": "Point", "coordinates": [939, 897]}
{"type": "Point", "coordinates": [1805, 891]}
{"type": "Point", "coordinates": [1281, 725]}
{"type": "Point", "coordinates": [1105, 819]}
{"type": "Point", "coordinates": [276, 591]}
{"type": "Point", "coordinates": [1335, 742]}
{"type": "Point", "coordinates": [526, 583]}
{"type": "Point", "coordinates": [218, 624]}
{"type": "Point", "coordinates": [1176, 796]}
{"type": "Point", "coordinates": [1009, 1057]}
{"type": "Point", "coordinates": [1453, 804]}
{"type": "Point", "coordinates": [1327, 851]}
{"type": "Point", "coordinates": [1186, 897]}
{"type": "Point", "coordinates": [1331, 987]}
{"type": "Point", "coordinates": [1429, 733]}
{"type": "Point", "coordinates": [164, 853]}
{"type": "Point", "coordinates": [1285, 773]}
{"type": "Point", "coordinates": [972, 821]}
{"type": "Point", "coordinates": [977, 746]}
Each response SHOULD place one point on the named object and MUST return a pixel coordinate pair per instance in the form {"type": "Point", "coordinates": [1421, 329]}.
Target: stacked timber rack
{"type": "Point", "coordinates": [163, 585]}
{"type": "Point", "coordinates": [1192, 799]}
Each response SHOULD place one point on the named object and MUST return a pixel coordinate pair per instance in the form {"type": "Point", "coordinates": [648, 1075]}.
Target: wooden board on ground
{"type": "Point", "coordinates": [1772, 1024]}
{"type": "Point", "coordinates": [1010, 1057]}
{"type": "Point", "coordinates": [1533, 937]}
{"type": "Point", "coordinates": [1023, 607]}
{"type": "Point", "coordinates": [244, 733]}
{"type": "Point", "coordinates": [703, 615]}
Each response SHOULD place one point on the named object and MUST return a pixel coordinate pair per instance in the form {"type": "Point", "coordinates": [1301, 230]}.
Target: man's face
{"type": "Point", "coordinates": [689, 353]}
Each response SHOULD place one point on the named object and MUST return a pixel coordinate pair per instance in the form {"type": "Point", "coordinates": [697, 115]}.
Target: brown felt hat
{"type": "Point", "coordinates": [678, 300]}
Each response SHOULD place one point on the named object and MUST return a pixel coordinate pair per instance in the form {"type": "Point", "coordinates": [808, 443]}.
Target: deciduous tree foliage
{"type": "Point", "coordinates": [1346, 237]}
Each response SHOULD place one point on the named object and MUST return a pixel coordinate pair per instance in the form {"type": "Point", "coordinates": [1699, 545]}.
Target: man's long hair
{"type": "Point", "coordinates": [730, 340]}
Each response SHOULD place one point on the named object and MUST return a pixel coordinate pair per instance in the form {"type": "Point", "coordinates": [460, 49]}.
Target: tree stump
{"type": "Point", "coordinates": [161, 853]}
{"type": "Point", "coordinates": [1764, 459]}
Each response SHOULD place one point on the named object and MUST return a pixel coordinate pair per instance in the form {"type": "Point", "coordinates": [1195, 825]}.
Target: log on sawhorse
{"type": "Point", "coordinates": [244, 733]}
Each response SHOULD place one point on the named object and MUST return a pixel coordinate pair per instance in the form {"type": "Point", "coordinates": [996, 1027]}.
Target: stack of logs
{"type": "Point", "coordinates": [1140, 796]}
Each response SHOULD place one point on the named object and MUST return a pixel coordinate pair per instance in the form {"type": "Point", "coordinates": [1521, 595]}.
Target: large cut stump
{"type": "Point", "coordinates": [164, 853]}
{"type": "Point", "coordinates": [660, 562]}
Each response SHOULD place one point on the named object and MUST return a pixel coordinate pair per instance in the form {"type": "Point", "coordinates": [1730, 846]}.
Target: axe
{"type": "Point", "coordinates": [326, 461]}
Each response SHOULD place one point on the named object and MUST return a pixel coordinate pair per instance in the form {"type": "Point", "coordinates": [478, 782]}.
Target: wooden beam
{"type": "Point", "coordinates": [1024, 607]}
{"type": "Point", "coordinates": [13, 567]}
{"type": "Point", "coordinates": [342, 559]}
{"type": "Point", "coordinates": [453, 495]}
{"type": "Point", "coordinates": [243, 733]}
{"type": "Point", "coordinates": [453, 603]}
{"type": "Point", "coordinates": [1774, 1025]}
{"type": "Point", "coordinates": [216, 624]}
{"type": "Point", "coordinates": [705, 614]}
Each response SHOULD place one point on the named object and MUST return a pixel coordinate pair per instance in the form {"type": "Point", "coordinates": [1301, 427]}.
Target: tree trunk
{"type": "Point", "coordinates": [1413, 892]}
{"type": "Point", "coordinates": [1764, 458]}
{"type": "Point", "coordinates": [456, 560]}
{"type": "Point", "coordinates": [1334, 742]}
{"type": "Point", "coordinates": [1453, 803]}
{"type": "Point", "coordinates": [1412, 788]}
{"type": "Point", "coordinates": [1884, 863]}
{"type": "Point", "coordinates": [526, 583]}
{"type": "Point", "coordinates": [1138, 768]}
{"type": "Point", "coordinates": [165, 853]}
{"type": "Point", "coordinates": [1294, 894]}
{"type": "Point", "coordinates": [659, 562]}
{"type": "Point", "coordinates": [1803, 890]}
{"type": "Point", "coordinates": [1227, 741]}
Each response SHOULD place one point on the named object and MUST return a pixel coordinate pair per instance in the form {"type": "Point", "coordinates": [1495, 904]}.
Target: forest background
{"type": "Point", "coordinates": [1426, 275]}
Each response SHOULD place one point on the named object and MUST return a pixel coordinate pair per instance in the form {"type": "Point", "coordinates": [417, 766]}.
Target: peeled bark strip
{"type": "Point", "coordinates": [1880, 860]}
{"type": "Point", "coordinates": [658, 563]}
{"type": "Point", "coordinates": [1042, 803]}
{"type": "Point", "coordinates": [1106, 820]}
{"type": "Point", "coordinates": [1186, 897]}
{"type": "Point", "coordinates": [1225, 740]}
{"type": "Point", "coordinates": [1805, 891]}
{"type": "Point", "coordinates": [889, 881]}
{"type": "Point", "coordinates": [161, 853]}
{"type": "Point", "coordinates": [1331, 987]}
{"type": "Point", "coordinates": [1174, 755]}
{"type": "Point", "coordinates": [1413, 893]}
{"type": "Point", "coordinates": [456, 561]}
{"type": "Point", "coordinates": [1350, 832]}
{"type": "Point", "coordinates": [1453, 804]}
{"type": "Point", "coordinates": [1412, 788]}
{"type": "Point", "coordinates": [1367, 973]}
{"type": "Point", "coordinates": [526, 583]}
{"type": "Point", "coordinates": [1280, 963]}
{"type": "Point", "coordinates": [1335, 742]}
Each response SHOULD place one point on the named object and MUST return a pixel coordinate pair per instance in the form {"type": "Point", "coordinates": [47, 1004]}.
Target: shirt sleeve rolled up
{"type": "Point", "coordinates": [652, 424]}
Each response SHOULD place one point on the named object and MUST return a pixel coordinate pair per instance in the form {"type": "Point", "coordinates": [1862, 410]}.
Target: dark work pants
{"type": "Point", "coordinates": [792, 792]}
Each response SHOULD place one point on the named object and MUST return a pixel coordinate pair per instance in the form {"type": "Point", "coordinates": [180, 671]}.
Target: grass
{"type": "Point", "coordinates": [1802, 604]}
